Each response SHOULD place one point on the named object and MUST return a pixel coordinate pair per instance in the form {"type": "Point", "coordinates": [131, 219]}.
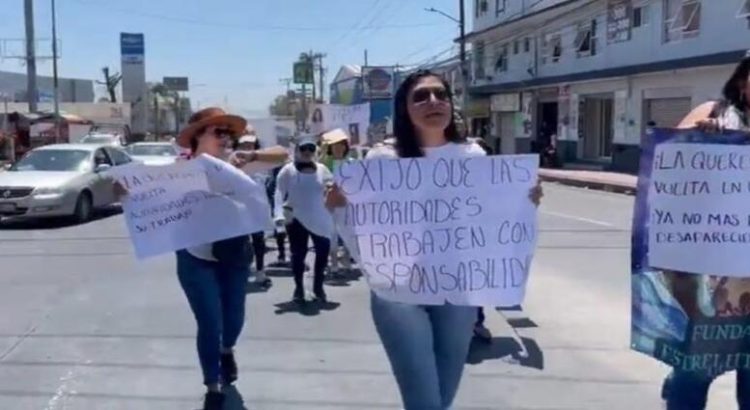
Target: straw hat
{"type": "Point", "coordinates": [208, 117]}
{"type": "Point", "coordinates": [335, 136]}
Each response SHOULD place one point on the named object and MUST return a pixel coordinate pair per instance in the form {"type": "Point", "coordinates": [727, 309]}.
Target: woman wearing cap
{"type": "Point", "coordinates": [250, 142]}
{"type": "Point", "coordinates": [336, 150]}
{"type": "Point", "coordinates": [213, 276]}
{"type": "Point", "coordinates": [304, 182]}
{"type": "Point", "coordinates": [426, 345]}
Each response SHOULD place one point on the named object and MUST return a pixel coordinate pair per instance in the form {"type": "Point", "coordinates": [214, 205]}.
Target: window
{"type": "Point", "coordinates": [640, 16]}
{"type": "Point", "coordinates": [480, 7]}
{"type": "Point", "coordinates": [499, 7]}
{"type": "Point", "coordinates": [119, 156]}
{"type": "Point", "coordinates": [101, 158]}
{"type": "Point", "coordinates": [479, 61]}
{"type": "Point", "coordinates": [683, 19]}
{"type": "Point", "coordinates": [585, 42]}
{"type": "Point", "coordinates": [516, 46]}
{"type": "Point", "coordinates": [552, 48]}
{"type": "Point", "coordinates": [744, 11]}
{"type": "Point", "coordinates": [501, 58]}
{"type": "Point", "coordinates": [526, 45]}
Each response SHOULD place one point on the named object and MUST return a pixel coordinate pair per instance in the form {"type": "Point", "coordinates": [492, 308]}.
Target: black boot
{"type": "Point", "coordinates": [228, 368]}
{"type": "Point", "coordinates": [213, 401]}
{"type": "Point", "coordinates": [299, 295]}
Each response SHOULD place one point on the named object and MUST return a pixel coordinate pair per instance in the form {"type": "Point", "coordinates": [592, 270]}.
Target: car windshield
{"type": "Point", "coordinates": [54, 160]}
{"type": "Point", "coordinates": [98, 139]}
{"type": "Point", "coordinates": [152, 151]}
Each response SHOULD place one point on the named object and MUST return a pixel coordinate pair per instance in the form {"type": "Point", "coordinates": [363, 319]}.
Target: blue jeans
{"type": "Point", "coordinates": [427, 348]}
{"type": "Point", "coordinates": [216, 294]}
{"type": "Point", "coordinates": [689, 390]}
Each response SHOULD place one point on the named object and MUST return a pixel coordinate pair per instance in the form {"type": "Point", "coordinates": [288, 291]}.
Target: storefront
{"type": "Point", "coordinates": [506, 112]}
{"type": "Point", "coordinates": [478, 114]}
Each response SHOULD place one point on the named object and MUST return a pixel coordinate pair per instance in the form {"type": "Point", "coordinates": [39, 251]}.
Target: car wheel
{"type": "Point", "coordinates": [84, 208]}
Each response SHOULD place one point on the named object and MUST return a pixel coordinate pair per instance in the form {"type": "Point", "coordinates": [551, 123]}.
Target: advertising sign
{"type": "Point", "coordinates": [378, 82]}
{"type": "Point", "coordinates": [176, 83]}
{"type": "Point", "coordinates": [132, 48]}
{"type": "Point", "coordinates": [303, 73]}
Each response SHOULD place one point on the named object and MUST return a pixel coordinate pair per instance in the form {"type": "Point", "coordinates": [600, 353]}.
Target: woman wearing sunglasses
{"type": "Point", "coordinates": [426, 345]}
{"type": "Point", "coordinates": [213, 276]}
{"type": "Point", "coordinates": [303, 183]}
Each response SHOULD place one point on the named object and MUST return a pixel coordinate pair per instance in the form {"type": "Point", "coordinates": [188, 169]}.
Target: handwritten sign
{"type": "Point", "coordinates": [189, 203]}
{"type": "Point", "coordinates": [428, 230]}
{"type": "Point", "coordinates": [690, 272]}
{"type": "Point", "coordinates": [700, 220]}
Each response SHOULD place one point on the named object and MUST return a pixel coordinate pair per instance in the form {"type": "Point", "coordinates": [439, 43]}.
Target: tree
{"type": "Point", "coordinates": [282, 106]}
{"type": "Point", "coordinates": [158, 91]}
{"type": "Point", "coordinates": [111, 82]}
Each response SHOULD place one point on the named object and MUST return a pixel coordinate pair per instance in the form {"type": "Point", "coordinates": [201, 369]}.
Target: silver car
{"type": "Point", "coordinates": [114, 140]}
{"type": "Point", "coordinates": [153, 153]}
{"type": "Point", "coordinates": [60, 180]}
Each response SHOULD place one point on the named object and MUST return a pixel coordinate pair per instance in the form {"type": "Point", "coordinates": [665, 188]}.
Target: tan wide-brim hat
{"type": "Point", "coordinates": [334, 137]}
{"type": "Point", "coordinates": [207, 117]}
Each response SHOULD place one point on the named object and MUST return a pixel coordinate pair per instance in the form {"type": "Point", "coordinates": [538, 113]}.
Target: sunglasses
{"type": "Point", "coordinates": [307, 148]}
{"type": "Point", "coordinates": [423, 95]}
{"type": "Point", "coordinates": [223, 133]}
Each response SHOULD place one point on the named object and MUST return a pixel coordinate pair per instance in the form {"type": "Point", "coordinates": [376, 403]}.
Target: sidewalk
{"type": "Point", "coordinates": [601, 180]}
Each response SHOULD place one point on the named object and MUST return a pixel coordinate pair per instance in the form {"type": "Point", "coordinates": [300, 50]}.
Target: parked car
{"type": "Point", "coordinates": [114, 140]}
{"type": "Point", "coordinates": [60, 180]}
{"type": "Point", "coordinates": [153, 153]}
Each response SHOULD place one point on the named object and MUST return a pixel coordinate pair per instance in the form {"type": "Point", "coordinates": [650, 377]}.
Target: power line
{"type": "Point", "coordinates": [254, 28]}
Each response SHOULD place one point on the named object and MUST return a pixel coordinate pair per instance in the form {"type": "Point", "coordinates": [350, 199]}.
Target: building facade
{"type": "Point", "coordinates": [71, 90]}
{"type": "Point", "coordinates": [592, 74]}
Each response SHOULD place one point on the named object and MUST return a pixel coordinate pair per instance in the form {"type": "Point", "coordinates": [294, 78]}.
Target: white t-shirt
{"type": "Point", "coordinates": [305, 194]}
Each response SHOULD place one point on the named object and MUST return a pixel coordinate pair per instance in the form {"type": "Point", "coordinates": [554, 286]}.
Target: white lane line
{"type": "Point", "coordinates": [579, 218]}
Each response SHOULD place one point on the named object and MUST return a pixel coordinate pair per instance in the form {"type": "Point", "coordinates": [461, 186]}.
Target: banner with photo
{"type": "Point", "coordinates": [690, 261]}
{"type": "Point", "coordinates": [353, 119]}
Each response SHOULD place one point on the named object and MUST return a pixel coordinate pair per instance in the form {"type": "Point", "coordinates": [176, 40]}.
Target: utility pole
{"type": "Point", "coordinates": [56, 85]}
{"type": "Point", "coordinates": [287, 82]}
{"type": "Point", "coordinates": [311, 60]}
{"type": "Point", "coordinates": [464, 67]}
{"type": "Point", "coordinates": [321, 74]}
{"type": "Point", "coordinates": [31, 88]}
{"type": "Point", "coordinates": [366, 58]}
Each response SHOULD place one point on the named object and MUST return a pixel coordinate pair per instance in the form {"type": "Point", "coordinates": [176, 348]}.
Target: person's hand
{"type": "Point", "coordinates": [247, 156]}
{"type": "Point", "coordinates": [536, 193]}
{"type": "Point", "coordinates": [121, 193]}
{"type": "Point", "coordinates": [708, 125]}
{"type": "Point", "coordinates": [334, 197]}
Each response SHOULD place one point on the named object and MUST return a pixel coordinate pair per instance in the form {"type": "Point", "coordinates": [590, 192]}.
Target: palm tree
{"type": "Point", "coordinates": [158, 91]}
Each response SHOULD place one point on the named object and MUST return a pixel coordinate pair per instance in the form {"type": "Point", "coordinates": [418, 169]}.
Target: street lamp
{"type": "Point", "coordinates": [54, 73]}
{"type": "Point", "coordinates": [462, 41]}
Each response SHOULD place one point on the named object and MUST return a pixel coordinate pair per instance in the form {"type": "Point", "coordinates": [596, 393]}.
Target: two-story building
{"type": "Point", "coordinates": [592, 74]}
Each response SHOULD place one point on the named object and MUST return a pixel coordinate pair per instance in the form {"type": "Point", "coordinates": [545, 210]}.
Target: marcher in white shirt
{"type": "Point", "coordinates": [303, 183]}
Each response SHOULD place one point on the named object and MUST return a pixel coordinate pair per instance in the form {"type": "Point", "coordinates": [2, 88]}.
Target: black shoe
{"type": "Point", "coordinates": [299, 295]}
{"type": "Point", "coordinates": [213, 401]}
{"type": "Point", "coordinates": [228, 368]}
{"type": "Point", "coordinates": [320, 296]}
{"type": "Point", "coordinates": [266, 283]}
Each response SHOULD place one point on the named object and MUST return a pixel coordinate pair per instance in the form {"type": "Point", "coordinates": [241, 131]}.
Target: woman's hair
{"type": "Point", "coordinates": [346, 151]}
{"type": "Point", "coordinates": [407, 141]}
{"type": "Point", "coordinates": [733, 93]}
{"type": "Point", "coordinates": [317, 115]}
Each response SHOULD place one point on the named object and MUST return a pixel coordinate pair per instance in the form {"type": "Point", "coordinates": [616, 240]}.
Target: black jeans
{"type": "Point", "coordinates": [281, 245]}
{"type": "Point", "coordinates": [259, 249]}
{"type": "Point", "coordinates": [298, 240]}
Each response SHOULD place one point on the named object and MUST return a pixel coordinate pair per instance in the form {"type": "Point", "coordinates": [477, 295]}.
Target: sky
{"type": "Point", "coordinates": [234, 51]}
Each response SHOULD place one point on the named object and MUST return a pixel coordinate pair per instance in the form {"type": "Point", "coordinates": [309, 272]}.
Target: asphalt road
{"type": "Point", "coordinates": [86, 326]}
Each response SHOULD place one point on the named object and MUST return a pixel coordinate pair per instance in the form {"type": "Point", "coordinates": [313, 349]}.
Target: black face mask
{"type": "Point", "coordinates": [305, 166]}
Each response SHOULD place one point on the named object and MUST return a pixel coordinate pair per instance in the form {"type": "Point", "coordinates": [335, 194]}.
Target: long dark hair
{"type": "Point", "coordinates": [407, 141]}
{"type": "Point", "coordinates": [733, 93]}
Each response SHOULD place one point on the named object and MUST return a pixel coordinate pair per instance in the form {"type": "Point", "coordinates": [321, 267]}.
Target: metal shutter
{"type": "Point", "coordinates": [667, 112]}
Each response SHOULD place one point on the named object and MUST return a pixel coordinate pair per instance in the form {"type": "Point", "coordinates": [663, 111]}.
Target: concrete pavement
{"type": "Point", "coordinates": [87, 327]}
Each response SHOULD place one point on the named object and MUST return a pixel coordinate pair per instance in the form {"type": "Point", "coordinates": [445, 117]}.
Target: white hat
{"type": "Point", "coordinates": [248, 139]}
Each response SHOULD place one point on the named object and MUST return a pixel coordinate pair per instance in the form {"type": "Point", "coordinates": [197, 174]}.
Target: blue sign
{"type": "Point", "coordinates": [132, 47]}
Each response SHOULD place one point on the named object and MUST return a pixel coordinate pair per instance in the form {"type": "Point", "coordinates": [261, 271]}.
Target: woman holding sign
{"type": "Point", "coordinates": [214, 275]}
{"type": "Point", "coordinates": [426, 345]}
{"type": "Point", "coordinates": [684, 390]}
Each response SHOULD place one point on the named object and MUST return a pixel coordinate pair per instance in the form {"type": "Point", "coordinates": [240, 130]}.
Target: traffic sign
{"type": "Point", "coordinates": [303, 72]}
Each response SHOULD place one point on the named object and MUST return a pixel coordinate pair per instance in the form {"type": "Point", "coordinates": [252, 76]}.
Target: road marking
{"type": "Point", "coordinates": [578, 218]}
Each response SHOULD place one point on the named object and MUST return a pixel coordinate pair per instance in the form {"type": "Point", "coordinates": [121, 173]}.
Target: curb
{"type": "Point", "coordinates": [590, 184]}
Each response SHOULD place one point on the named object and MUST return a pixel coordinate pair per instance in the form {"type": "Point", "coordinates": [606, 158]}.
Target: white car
{"type": "Point", "coordinates": [114, 140]}
{"type": "Point", "coordinates": [153, 153]}
{"type": "Point", "coordinates": [60, 180]}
